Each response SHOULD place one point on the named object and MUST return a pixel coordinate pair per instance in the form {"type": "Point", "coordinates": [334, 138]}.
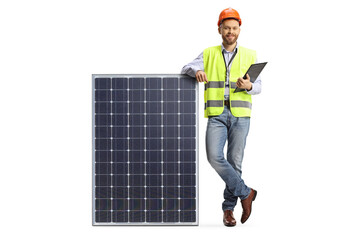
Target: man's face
{"type": "Point", "coordinates": [229, 31]}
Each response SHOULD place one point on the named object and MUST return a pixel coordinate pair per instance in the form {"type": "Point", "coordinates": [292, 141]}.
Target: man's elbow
{"type": "Point", "coordinates": [184, 70]}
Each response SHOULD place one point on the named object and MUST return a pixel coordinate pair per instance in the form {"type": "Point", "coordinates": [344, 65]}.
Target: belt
{"type": "Point", "coordinates": [227, 103]}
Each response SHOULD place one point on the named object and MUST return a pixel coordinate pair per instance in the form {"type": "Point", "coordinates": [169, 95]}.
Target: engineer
{"type": "Point", "coordinates": [221, 69]}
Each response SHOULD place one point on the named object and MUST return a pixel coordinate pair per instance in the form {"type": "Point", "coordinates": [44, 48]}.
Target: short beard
{"type": "Point", "coordinates": [229, 43]}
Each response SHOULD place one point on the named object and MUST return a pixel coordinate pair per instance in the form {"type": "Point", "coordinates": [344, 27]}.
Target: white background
{"type": "Point", "coordinates": [302, 152]}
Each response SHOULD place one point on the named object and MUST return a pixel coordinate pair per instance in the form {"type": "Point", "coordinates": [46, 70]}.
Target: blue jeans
{"type": "Point", "coordinates": [234, 130]}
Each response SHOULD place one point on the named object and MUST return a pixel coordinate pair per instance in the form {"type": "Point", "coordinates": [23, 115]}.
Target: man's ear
{"type": "Point", "coordinates": [219, 30]}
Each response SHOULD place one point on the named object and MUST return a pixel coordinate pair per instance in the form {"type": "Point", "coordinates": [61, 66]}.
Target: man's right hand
{"type": "Point", "coordinates": [201, 76]}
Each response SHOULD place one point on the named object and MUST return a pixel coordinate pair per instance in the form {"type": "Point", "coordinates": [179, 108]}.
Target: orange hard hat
{"type": "Point", "coordinates": [229, 13]}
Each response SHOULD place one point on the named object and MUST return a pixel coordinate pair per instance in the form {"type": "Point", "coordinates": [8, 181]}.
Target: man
{"type": "Point", "coordinates": [221, 69]}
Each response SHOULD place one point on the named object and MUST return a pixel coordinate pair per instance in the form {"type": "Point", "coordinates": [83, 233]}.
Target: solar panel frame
{"type": "Point", "coordinates": [196, 100]}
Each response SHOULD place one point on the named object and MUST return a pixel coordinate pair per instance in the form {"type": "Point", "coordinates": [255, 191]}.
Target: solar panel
{"type": "Point", "coordinates": [145, 150]}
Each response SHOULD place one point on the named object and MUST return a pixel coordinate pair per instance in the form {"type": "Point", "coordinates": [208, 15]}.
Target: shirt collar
{"type": "Point", "coordinates": [223, 48]}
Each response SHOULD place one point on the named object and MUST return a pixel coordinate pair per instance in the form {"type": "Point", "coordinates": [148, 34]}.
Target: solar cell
{"type": "Point", "coordinates": [145, 150]}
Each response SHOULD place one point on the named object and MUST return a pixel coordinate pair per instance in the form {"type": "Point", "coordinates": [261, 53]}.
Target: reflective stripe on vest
{"type": "Point", "coordinates": [243, 104]}
{"type": "Point", "coordinates": [234, 103]}
{"type": "Point", "coordinates": [218, 85]}
{"type": "Point", "coordinates": [214, 85]}
{"type": "Point", "coordinates": [214, 103]}
{"type": "Point", "coordinates": [215, 69]}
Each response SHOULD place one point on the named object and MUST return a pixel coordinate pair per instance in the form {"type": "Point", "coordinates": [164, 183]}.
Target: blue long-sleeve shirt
{"type": "Point", "coordinates": [198, 64]}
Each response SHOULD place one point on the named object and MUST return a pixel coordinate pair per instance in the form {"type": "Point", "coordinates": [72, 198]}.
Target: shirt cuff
{"type": "Point", "coordinates": [194, 70]}
{"type": "Point", "coordinates": [250, 91]}
{"type": "Point", "coordinates": [256, 88]}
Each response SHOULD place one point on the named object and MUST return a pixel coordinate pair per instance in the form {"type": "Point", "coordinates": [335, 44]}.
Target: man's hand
{"type": "Point", "coordinates": [244, 83]}
{"type": "Point", "coordinates": [201, 76]}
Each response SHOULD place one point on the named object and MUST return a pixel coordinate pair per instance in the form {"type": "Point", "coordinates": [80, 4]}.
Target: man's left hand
{"type": "Point", "coordinates": [244, 83]}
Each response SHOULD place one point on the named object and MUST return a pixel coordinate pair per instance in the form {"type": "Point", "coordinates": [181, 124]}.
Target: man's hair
{"type": "Point", "coordinates": [228, 19]}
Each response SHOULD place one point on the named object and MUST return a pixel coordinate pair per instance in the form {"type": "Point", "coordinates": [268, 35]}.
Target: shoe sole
{"type": "Point", "coordinates": [229, 225]}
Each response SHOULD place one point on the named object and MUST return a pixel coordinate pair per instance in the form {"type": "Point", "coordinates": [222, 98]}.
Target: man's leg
{"type": "Point", "coordinates": [237, 135]}
{"type": "Point", "coordinates": [216, 135]}
{"type": "Point", "coordinates": [229, 199]}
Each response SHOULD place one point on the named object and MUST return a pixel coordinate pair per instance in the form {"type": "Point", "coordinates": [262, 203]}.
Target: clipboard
{"type": "Point", "coordinates": [253, 71]}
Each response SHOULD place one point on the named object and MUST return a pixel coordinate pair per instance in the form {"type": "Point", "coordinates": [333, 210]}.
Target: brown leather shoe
{"type": "Point", "coordinates": [229, 219]}
{"type": "Point", "coordinates": [246, 205]}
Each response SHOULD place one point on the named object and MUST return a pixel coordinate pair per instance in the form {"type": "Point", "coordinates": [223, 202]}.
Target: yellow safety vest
{"type": "Point", "coordinates": [215, 69]}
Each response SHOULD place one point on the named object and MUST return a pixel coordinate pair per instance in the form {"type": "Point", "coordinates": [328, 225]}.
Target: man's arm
{"type": "Point", "coordinates": [251, 88]}
{"type": "Point", "coordinates": [256, 87]}
{"type": "Point", "coordinates": [193, 67]}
